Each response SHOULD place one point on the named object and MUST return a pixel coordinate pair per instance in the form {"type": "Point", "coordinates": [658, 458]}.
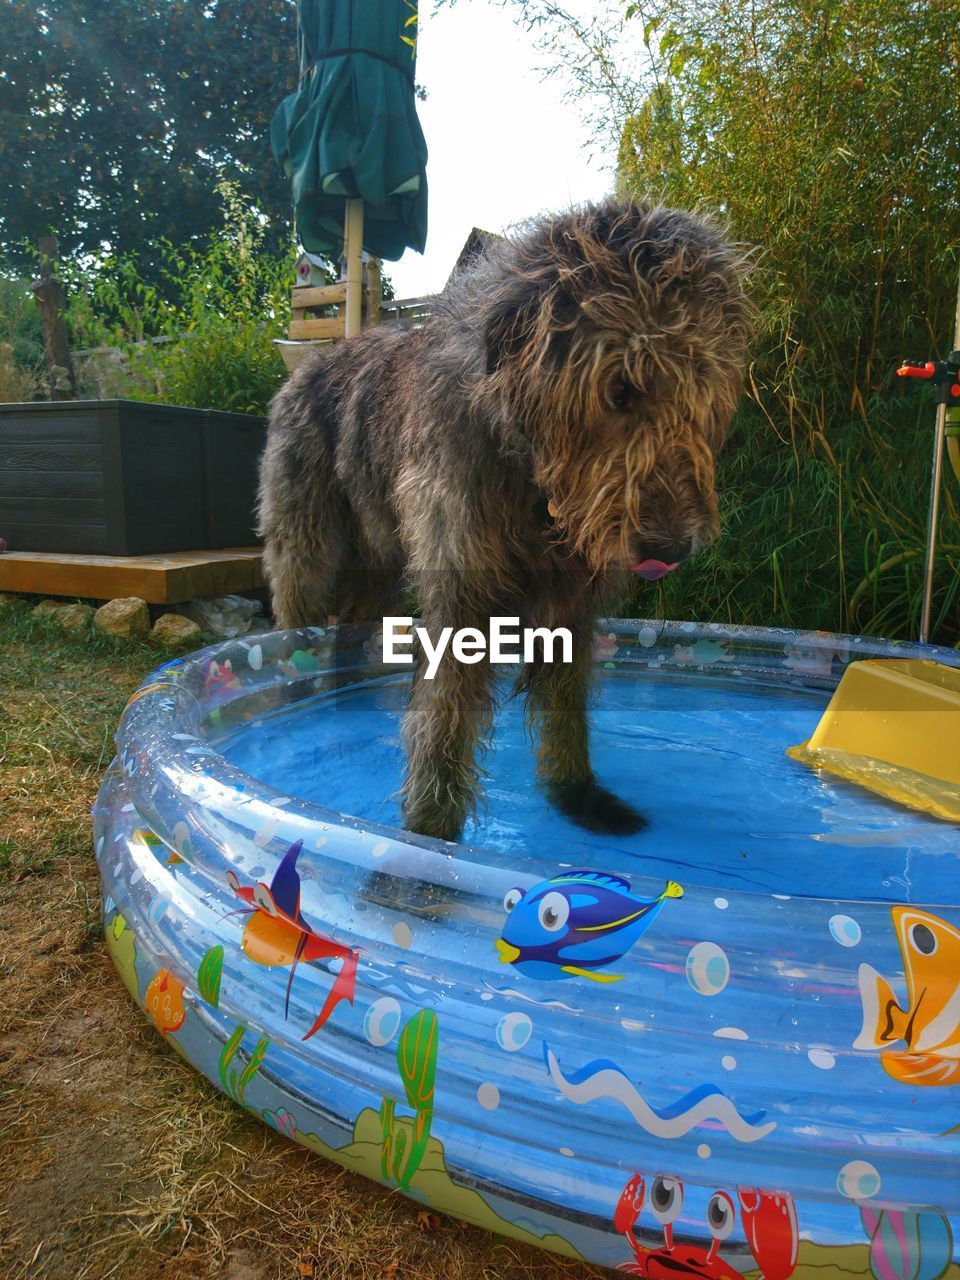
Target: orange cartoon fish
{"type": "Point", "coordinates": [277, 933]}
{"type": "Point", "coordinates": [163, 1001]}
{"type": "Point", "coordinates": [930, 1023]}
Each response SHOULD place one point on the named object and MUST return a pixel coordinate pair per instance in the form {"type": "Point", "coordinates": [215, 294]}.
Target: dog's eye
{"type": "Point", "coordinates": [620, 393]}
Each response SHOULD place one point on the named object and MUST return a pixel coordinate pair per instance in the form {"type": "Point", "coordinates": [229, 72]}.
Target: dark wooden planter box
{"type": "Point", "coordinates": [117, 477]}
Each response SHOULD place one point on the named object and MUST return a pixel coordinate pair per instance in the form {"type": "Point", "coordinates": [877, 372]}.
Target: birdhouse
{"type": "Point", "coordinates": [312, 270]}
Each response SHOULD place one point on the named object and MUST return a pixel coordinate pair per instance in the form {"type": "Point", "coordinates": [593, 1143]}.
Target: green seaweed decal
{"type": "Point", "coordinates": [417, 1061]}
{"type": "Point", "coordinates": [234, 1083]}
{"type": "Point", "coordinates": [387, 1109]}
{"type": "Point", "coordinates": [209, 974]}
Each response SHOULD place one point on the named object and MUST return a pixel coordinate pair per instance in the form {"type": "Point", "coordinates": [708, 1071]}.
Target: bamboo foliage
{"type": "Point", "coordinates": [827, 132]}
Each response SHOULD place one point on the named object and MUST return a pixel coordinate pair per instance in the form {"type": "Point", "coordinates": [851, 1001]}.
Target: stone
{"type": "Point", "coordinates": [75, 619]}
{"type": "Point", "coordinates": [174, 631]}
{"type": "Point", "coordinates": [224, 616]}
{"type": "Point", "coordinates": [45, 608]}
{"type": "Point", "coordinates": [128, 618]}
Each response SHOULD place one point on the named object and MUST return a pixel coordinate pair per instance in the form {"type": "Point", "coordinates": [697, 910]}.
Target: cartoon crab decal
{"type": "Point", "coordinates": [769, 1223]}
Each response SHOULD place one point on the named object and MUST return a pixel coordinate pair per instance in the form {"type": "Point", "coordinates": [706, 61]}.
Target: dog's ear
{"type": "Point", "coordinates": [518, 319]}
{"type": "Point", "coordinates": [508, 329]}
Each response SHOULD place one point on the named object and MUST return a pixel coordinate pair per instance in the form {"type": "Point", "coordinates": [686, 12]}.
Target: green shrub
{"type": "Point", "coordinates": [21, 341]}
{"type": "Point", "coordinates": [16, 384]}
{"type": "Point", "coordinates": [218, 364]}
{"type": "Point", "coordinates": [219, 310]}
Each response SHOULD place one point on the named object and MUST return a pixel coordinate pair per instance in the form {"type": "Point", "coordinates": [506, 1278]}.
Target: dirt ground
{"type": "Point", "coordinates": [116, 1158]}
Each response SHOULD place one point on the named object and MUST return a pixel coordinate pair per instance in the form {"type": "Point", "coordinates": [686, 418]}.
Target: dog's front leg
{"type": "Point", "coordinates": [557, 694]}
{"type": "Point", "coordinates": [449, 719]}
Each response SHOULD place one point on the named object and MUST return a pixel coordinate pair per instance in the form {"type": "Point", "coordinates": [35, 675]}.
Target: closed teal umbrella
{"type": "Point", "coordinates": [350, 131]}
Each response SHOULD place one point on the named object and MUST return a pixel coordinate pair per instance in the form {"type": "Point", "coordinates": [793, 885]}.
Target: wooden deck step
{"type": "Point", "coordinates": [166, 579]}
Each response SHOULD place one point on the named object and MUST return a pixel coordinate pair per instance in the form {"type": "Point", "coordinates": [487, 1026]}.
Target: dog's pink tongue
{"type": "Point", "coordinates": [652, 570]}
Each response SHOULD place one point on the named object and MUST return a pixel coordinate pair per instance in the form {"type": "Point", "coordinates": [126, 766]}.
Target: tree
{"type": "Point", "coordinates": [118, 118]}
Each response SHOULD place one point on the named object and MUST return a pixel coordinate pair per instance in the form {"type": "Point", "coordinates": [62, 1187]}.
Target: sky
{"type": "Point", "coordinates": [504, 144]}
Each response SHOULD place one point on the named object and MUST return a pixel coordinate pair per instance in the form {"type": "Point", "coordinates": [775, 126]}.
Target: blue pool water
{"type": "Point", "coordinates": [703, 758]}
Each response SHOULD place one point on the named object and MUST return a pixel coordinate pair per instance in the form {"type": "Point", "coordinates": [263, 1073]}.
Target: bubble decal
{"type": "Point", "coordinates": [822, 1058]}
{"type": "Point", "coordinates": [514, 1031]}
{"type": "Point", "coordinates": [845, 930]}
{"type": "Point", "coordinates": [157, 910]}
{"type": "Point", "coordinates": [382, 1021]}
{"type": "Point", "coordinates": [858, 1180]}
{"type": "Point", "coordinates": [266, 833]}
{"type": "Point", "coordinates": [488, 1095]}
{"type": "Point", "coordinates": [402, 935]}
{"type": "Point", "coordinates": [708, 970]}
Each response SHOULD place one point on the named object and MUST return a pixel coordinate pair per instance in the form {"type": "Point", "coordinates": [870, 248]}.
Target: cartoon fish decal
{"type": "Point", "coordinates": [220, 677]}
{"type": "Point", "coordinates": [163, 1001]}
{"type": "Point", "coordinates": [930, 1023]}
{"type": "Point", "coordinates": [575, 924]}
{"type": "Point", "coordinates": [277, 933]}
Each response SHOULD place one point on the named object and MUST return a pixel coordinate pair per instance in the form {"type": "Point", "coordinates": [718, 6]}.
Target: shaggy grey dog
{"type": "Point", "coordinates": [553, 424]}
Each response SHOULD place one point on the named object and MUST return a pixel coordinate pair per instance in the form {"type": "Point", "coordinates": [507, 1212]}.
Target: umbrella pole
{"type": "Point", "coordinates": [353, 252]}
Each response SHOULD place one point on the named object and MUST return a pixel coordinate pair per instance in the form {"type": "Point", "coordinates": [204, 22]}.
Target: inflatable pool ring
{"type": "Point", "coordinates": [730, 1044]}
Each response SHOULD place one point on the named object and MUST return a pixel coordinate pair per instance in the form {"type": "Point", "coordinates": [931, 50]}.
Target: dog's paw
{"type": "Point", "coordinates": [595, 808]}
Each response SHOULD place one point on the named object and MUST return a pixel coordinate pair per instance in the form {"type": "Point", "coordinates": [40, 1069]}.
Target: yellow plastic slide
{"type": "Point", "coordinates": [893, 726]}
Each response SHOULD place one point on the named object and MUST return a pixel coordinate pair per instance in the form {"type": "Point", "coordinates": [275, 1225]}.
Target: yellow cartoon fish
{"type": "Point", "coordinates": [930, 1024]}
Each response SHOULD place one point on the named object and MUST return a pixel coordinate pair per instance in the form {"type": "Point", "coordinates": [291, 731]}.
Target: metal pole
{"type": "Point", "coordinates": [933, 517]}
{"type": "Point", "coordinates": [933, 521]}
{"type": "Point", "coordinates": [353, 251]}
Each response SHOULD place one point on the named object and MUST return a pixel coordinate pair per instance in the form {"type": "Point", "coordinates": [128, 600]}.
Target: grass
{"type": "Point", "coordinates": [825, 529]}
{"type": "Point", "coordinates": [116, 1158]}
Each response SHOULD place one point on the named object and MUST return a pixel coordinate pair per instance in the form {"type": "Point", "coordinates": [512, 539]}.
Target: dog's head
{"type": "Point", "coordinates": [615, 341]}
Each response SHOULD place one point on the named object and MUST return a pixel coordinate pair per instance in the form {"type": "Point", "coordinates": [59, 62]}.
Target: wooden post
{"type": "Point", "coordinates": [51, 300]}
{"type": "Point", "coordinates": [374, 290]}
{"type": "Point", "coordinates": [353, 251]}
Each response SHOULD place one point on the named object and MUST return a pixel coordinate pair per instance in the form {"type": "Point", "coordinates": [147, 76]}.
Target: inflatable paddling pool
{"type": "Point", "coordinates": [729, 1044]}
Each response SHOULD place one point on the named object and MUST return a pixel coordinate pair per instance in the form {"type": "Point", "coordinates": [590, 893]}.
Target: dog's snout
{"type": "Point", "coordinates": [667, 552]}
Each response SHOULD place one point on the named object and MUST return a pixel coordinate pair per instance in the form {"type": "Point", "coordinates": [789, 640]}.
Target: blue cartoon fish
{"type": "Point", "coordinates": [576, 923]}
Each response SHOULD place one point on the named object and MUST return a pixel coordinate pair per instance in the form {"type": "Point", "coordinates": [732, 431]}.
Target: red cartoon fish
{"type": "Point", "coordinates": [220, 677]}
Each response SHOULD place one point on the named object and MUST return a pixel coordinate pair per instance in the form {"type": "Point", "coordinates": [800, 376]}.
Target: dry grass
{"type": "Point", "coordinates": [116, 1158]}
